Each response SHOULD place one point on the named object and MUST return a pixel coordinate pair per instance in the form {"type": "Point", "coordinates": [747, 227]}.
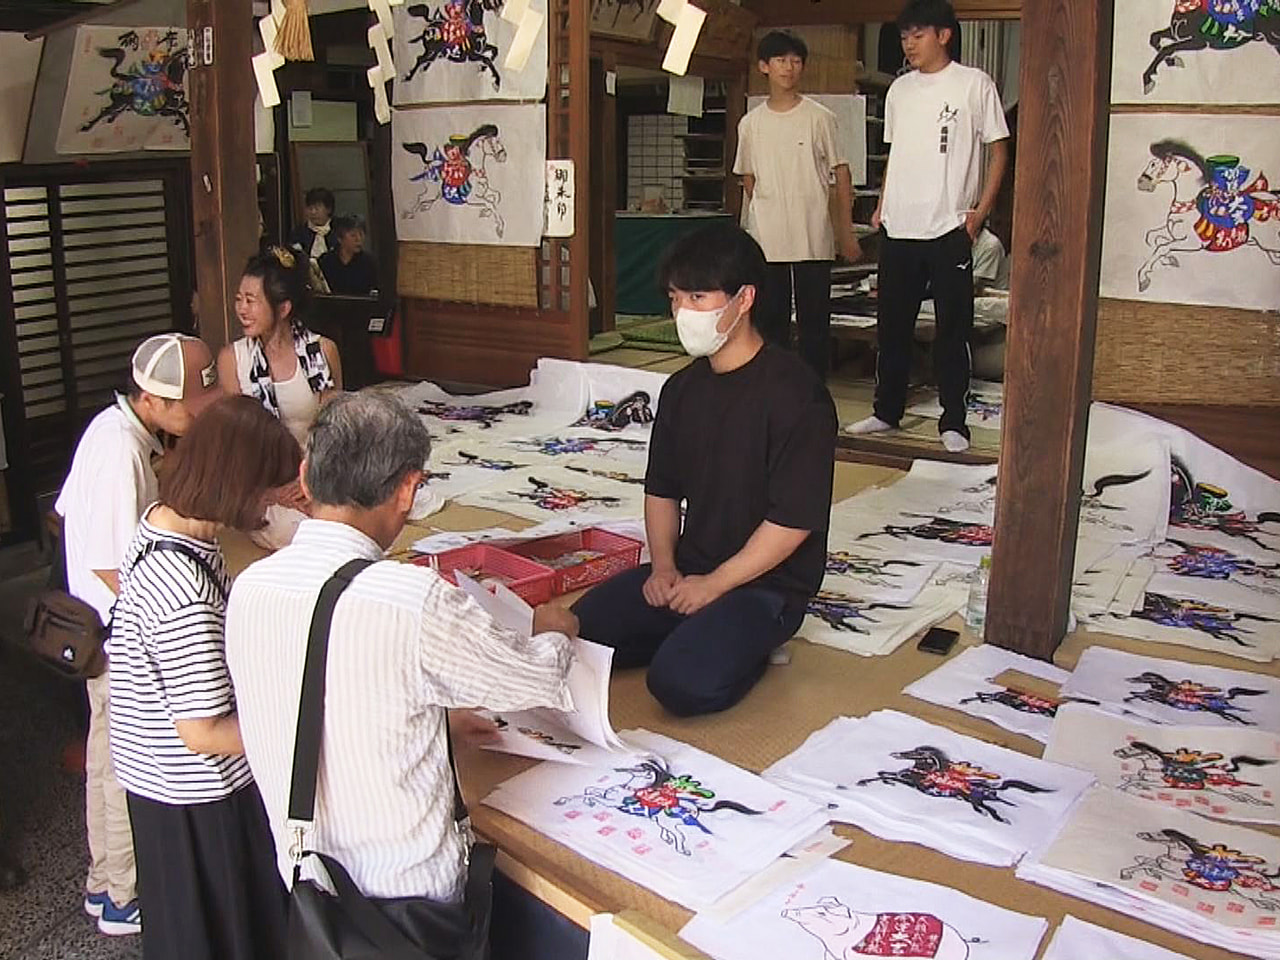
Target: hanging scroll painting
{"type": "Point", "coordinates": [126, 91]}
{"type": "Point", "coordinates": [470, 174]}
{"type": "Point", "coordinates": [1196, 51]}
{"type": "Point", "coordinates": [455, 50]}
{"type": "Point", "coordinates": [1191, 214]}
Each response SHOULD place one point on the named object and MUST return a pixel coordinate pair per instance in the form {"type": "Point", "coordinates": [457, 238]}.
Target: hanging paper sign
{"type": "Point", "coordinates": [264, 72]}
{"type": "Point", "coordinates": [559, 198]}
{"type": "Point", "coordinates": [522, 44]}
{"type": "Point", "coordinates": [381, 106]}
{"type": "Point", "coordinates": [684, 39]}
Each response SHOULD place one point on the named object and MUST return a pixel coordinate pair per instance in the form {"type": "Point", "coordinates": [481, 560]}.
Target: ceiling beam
{"type": "Point", "coordinates": [90, 12]}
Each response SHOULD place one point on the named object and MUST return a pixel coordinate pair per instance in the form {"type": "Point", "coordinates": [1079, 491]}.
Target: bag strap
{"type": "Point", "coordinates": [176, 546]}
{"type": "Point", "coordinates": [306, 741]}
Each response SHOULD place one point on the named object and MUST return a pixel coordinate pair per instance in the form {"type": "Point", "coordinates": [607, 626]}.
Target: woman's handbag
{"type": "Point", "coordinates": [345, 924]}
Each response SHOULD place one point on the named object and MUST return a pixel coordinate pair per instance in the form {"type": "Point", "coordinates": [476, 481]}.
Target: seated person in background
{"type": "Point", "coordinates": [405, 647]}
{"type": "Point", "coordinates": [206, 876]}
{"type": "Point", "coordinates": [349, 271]}
{"type": "Point", "coordinates": [990, 262]}
{"type": "Point", "coordinates": [313, 238]}
{"type": "Point", "coordinates": [286, 367]}
{"type": "Point", "coordinates": [745, 436]}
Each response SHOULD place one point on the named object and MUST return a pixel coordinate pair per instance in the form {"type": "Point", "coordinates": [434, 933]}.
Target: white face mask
{"type": "Point", "coordinates": [697, 329]}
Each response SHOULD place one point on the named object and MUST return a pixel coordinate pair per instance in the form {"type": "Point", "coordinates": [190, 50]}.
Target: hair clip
{"type": "Point", "coordinates": [283, 257]}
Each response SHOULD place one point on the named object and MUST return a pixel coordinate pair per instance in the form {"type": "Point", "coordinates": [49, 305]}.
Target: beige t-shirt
{"type": "Point", "coordinates": [792, 156]}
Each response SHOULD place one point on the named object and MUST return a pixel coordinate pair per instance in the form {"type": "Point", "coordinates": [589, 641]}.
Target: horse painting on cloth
{"type": "Point", "coordinates": [448, 51]}
{"type": "Point", "coordinates": [126, 91]}
{"type": "Point", "coordinates": [473, 175]}
{"type": "Point", "coordinates": [1192, 215]}
{"type": "Point", "coordinates": [1196, 51]}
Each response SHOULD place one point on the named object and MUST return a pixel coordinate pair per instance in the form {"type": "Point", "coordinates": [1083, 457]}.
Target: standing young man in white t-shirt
{"type": "Point", "coordinates": [936, 120]}
{"type": "Point", "coordinates": [789, 151]}
{"type": "Point", "coordinates": [111, 482]}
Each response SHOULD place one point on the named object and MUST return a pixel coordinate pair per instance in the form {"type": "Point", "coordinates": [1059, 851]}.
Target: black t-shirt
{"type": "Point", "coordinates": [354, 279]}
{"type": "Point", "coordinates": [754, 444]}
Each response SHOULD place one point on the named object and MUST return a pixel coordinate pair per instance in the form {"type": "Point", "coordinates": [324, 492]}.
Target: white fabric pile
{"type": "Point", "coordinates": [1213, 882]}
{"type": "Point", "coordinates": [903, 779]}
{"type": "Point", "coordinates": [1076, 940]}
{"type": "Point", "coordinates": [685, 824]}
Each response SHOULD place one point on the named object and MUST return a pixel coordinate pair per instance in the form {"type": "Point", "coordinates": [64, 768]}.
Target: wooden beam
{"type": "Point", "coordinates": [1057, 239]}
{"type": "Point", "coordinates": [224, 193]}
{"type": "Point", "coordinates": [785, 13]}
{"type": "Point", "coordinates": [87, 14]}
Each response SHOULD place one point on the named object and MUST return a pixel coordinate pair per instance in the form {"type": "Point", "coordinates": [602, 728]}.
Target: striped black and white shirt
{"type": "Point", "coordinates": [404, 645]}
{"type": "Point", "coordinates": [167, 663]}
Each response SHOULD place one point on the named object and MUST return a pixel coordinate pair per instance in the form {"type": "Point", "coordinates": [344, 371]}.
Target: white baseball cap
{"type": "Point", "coordinates": [160, 368]}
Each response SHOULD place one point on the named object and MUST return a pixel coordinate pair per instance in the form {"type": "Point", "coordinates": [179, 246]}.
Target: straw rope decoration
{"type": "Point", "coordinates": [293, 42]}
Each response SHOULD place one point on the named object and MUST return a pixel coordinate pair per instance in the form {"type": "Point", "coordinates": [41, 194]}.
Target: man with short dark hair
{"type": "Point", "coordinates": [349, 271]}
{"type": "Point", "coordinates": [405, 646]}
{"type": "Point", "coordinates": [789, 154]}
{"type": "Point", "coordinates": [111, 481]}
{"type": "Point", "coordinates": [745, 440]}
{"type": "Point", "coordinates": [936, 120]}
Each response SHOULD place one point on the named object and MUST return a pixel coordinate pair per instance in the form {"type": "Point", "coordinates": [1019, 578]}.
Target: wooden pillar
{"type": "Point", "coordinates": [1057, 237]}
{"type": "Point", "coordinates": [224, 194]}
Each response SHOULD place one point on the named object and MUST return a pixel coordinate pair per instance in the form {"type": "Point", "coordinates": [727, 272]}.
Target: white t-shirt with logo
{"type": "Point", "coordinates": [111, 482]}
{"type": "Point", "coordinates": [935, 124]}
{"type": "Point", "coordinates": [792, 156]}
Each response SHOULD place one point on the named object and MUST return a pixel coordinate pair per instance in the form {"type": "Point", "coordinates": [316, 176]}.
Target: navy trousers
{"type": "Point", "coordinates": [697, 664]}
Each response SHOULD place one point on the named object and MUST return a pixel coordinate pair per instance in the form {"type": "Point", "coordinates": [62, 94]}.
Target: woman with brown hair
{"type": "Point", "coordinates": [206, 869]}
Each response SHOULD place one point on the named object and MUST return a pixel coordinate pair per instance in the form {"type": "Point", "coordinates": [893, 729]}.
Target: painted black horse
{"type": "Point", "coordinates": [1192, 697]}
{"type": "Point", "coordinates": [934, 774]}
{"type": "Point", "coordinates": [152, 86]}
{"type": "Point", "coordinates": [456, 33]}
{"type": "Point", "coordinates": [1212, 25]}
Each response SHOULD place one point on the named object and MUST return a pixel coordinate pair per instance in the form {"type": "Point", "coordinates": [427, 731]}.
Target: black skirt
{"type": "Point", "coordinates": [207, 879]}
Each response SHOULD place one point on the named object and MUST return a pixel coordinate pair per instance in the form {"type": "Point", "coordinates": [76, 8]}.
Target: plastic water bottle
{"type": "Point", "coordinates": [975, 611]}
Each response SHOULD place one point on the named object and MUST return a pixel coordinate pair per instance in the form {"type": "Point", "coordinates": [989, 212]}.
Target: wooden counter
{"type": "Point", "coordinates": [789, 703]}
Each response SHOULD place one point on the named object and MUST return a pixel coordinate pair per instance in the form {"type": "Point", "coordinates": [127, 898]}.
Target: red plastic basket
{"type": "Point", "coordinates": [616, 554]}
{"type": "Point", "coordinates": [527, 579]}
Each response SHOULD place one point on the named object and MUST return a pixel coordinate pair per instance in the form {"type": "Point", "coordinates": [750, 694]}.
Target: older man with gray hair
{"type": "Point", "coordinates": [405, 646]}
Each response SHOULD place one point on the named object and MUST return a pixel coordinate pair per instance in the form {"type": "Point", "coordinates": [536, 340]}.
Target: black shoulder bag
{"type": "Point", "coordinates": [347, 925]}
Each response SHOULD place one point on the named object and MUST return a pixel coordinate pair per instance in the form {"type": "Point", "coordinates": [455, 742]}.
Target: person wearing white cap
{"type": "Point", "coordinates": [111, 481]}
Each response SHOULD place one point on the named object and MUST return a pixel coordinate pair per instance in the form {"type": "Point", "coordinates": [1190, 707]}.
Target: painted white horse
{"type": "Point", "coordinates": [458, 174]}
{"type": "Point", "coordinates": [1217, 868]}
{"type": "Point", "coordinates": [1190, 772]}
{"type": "Point", "coordinates": [846, 934]}
{"type": "Point", "coordinates": [1179, 165]}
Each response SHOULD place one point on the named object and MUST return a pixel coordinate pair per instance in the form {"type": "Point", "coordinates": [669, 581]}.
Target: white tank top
{"type": "Point", "coordinates": [298, 405]}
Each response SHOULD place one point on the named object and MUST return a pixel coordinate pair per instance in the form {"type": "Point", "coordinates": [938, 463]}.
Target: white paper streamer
{"type": "Point", "coordinates": [526, 35]}
{"type": "Point", "coordinates": [381, 106]}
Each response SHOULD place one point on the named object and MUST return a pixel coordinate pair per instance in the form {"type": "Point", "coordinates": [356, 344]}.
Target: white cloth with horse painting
{"type": "Point", "coordinates": [1213, 881]}
{"type": "Point", "coordinates": [840, 911]}
{"type": "Point", "coordinates": [1215, 772]}
{"type": "Point", "coordinates": [903, 779]}
{"type": "Point", "coordinates": [683, 823]}
{"type": "Point", "coordinates": [1170, 691]}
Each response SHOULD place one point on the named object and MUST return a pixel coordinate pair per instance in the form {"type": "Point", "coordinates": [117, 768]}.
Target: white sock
{"type": "Point", "coordinates": [954, 441]}
{"type": "Point", "coordinates": [868, 425]}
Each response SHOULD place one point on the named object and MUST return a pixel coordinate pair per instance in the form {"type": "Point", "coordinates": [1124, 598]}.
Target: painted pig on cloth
{"type": "Point", "coordinates": [847, 935]}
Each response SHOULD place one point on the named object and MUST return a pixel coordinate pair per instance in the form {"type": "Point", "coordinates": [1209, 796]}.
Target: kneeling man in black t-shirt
{"type": "Point", "coordinates": [745, 438]}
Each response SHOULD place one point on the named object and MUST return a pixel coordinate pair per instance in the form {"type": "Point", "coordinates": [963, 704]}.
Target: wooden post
{"type": "Point", "coordinates": [1057, 237]}
{"type": "Point", "coordinates": [224, 193]}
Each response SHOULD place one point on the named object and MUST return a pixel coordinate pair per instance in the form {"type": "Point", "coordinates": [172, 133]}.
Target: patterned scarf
{"type": "Point", "coordinates": [311, 360]}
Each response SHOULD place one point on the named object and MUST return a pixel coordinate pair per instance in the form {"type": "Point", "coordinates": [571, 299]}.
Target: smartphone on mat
{"type": "Point", "coordinates": [938, 641]}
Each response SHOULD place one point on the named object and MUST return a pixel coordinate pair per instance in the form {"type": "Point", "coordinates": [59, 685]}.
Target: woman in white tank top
{"type": "Point", "coordinates": [287, 367]}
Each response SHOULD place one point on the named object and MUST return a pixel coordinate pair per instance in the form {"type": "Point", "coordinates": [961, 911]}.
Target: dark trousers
{"type": "Point", "coordinates": [907, 269]}
{"type": "Point", "coordinates": [697, 664]}
{"type": "Point", "coordinates": [811, 280]}
{"type": "Point", "coordinates": [207, 879]}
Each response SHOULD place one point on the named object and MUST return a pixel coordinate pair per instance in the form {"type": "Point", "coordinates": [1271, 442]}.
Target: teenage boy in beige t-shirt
{"type": "Point", "coordinates": [789, 153]}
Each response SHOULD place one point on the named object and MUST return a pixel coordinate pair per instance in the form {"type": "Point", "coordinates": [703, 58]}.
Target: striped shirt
{"type": "Point", "coordinates": [404, 645]}
{"type": "Point", "coordinates": [167, 664]}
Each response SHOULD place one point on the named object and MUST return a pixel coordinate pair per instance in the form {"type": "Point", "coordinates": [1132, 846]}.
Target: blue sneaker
{"type": "Point", "coordinates": [95, 902]}
{"type": "Point", "coordinates": [120, 921]}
